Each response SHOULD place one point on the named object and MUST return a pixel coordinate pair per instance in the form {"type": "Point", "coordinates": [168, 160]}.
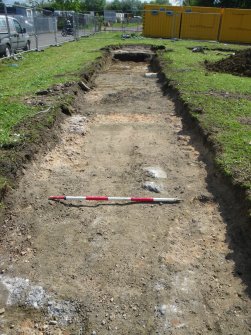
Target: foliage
{"type": "Point", "coordinates": [160, 2]}
{"type": "Point", "coordinates": [95, 5]}
{"type": "Point", "coordinates": [235, 3]}
{"type": "Point", "coordinates": [76, 5]}
{"type": "Point", "coordinates": [219, 3]}
{"type": "Point", "coordinates": [125, 5]}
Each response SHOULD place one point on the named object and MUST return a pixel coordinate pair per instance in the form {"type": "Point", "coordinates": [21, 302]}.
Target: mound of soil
{"type": "Point", "coordinates": [238, 64]}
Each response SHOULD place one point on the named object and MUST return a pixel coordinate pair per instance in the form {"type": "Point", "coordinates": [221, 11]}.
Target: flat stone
{"type": "Point", "coordinates": [151, 75]}
{"type": "Point", "coordinates": [155, 172]}
{"type": "Point", "coordinates": [152, 187]}
{"type": "Point", "coordinates": [2, 311]}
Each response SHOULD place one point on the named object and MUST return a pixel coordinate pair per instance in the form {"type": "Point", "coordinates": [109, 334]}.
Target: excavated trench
{"type": "Point", "coordinates": [123, 268]}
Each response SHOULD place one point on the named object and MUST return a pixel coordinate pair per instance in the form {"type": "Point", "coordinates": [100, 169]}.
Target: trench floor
{"type": "Point", "coordinates": [120, 268]}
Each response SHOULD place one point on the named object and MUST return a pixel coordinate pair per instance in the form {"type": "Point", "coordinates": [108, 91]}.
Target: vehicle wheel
{"type": "Point", "coordinates": [7, 51]}
{"type": "Point", "coordinates": [27, 46]}
{"type": "Point", "coordinates": [63, 33]}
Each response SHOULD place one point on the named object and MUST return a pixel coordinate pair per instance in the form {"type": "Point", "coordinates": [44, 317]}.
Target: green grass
{"type": "Point", "coordinates": [221, 117]}
{"type": "Point", "coordinates": [37, 71]}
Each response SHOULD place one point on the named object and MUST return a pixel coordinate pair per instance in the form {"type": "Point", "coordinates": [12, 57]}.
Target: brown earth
{"type": "Point", "coordinates": [238, 64]}
{"type": "Point", "coordinates": [122, 268]}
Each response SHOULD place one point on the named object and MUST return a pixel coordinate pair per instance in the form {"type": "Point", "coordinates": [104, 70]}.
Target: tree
{"type": "Point", "coordinates": [202, 3]}
{"type": "Point", "coordinates": [95, 5]}
{"type": "Point", "coordinates": [125, 5]}
{"type": "Point", "coordinates": [234, 3]}
{"type": "Point", "coordinates": [161, 2]}
{"type": "Point", "coordinates": [114, 5]}
{"type": "Point", "coordinates": [219, 3]}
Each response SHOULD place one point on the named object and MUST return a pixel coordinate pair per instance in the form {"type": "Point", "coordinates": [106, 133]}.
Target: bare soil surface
{"type": "Point", "coordinates": [120, 268]}
{"type": "Point", "coordinates": [238, 64]}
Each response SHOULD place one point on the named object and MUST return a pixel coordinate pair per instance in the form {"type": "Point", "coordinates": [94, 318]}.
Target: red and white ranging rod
{"type": "Point", "coordinates": [98, 198]}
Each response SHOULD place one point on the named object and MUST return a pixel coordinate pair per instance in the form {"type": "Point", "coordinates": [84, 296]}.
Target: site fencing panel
{"type": "Point", "coordinates": [162, 21]}
{"type": "Point", "coordinates": [236, 26]}
{"type": "Point", "coordinates": [200, 26]}
{"type": "Point", "coordinates": [202, 23]}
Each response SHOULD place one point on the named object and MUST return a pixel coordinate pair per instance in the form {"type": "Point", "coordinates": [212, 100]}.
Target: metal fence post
{"type": "Point", "coordinates": [35, 26]}
{"type": "Point", "coordinates": [77, 21]}
{"type": "Point", "coordinates": [74, 26]}
{"type": "Point", "coordinates": [55, 28]}
{"type": "Point", "coordinates": [8, 28]}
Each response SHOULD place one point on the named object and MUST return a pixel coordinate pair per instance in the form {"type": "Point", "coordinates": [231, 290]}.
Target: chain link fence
{"type": "Point", "coordinates": [34, 28]}
{"type": "Point", "coordinates": [123, 22]}
{"type": "Point", "coordinates": [42, 28]}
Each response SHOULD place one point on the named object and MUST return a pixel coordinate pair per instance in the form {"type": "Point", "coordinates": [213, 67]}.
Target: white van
{"type": "Point", "coordinates": [20, 40]}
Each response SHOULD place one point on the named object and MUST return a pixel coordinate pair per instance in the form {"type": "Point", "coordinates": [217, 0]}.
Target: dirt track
{"type": "Point", "coordinates": [110, 268]}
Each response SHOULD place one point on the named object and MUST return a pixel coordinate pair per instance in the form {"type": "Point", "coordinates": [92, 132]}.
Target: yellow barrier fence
{"type": "Point", "coordinates": [236, 26]}
{"type": "Point", "coordinates": [162, 21]}
{"type": "Point", "coordinates": [202, 23]}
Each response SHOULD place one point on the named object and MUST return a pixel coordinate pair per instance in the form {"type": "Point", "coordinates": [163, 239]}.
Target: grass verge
{"type": "Point", "coordinates": [220, 103]}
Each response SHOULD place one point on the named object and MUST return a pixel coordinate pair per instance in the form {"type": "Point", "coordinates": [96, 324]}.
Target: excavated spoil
{"type": "Point", "coordinates": [238, 64]}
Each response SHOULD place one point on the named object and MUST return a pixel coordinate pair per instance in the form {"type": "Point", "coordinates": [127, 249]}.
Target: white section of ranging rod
{"type": "Point", "coordinates": [101, 198]}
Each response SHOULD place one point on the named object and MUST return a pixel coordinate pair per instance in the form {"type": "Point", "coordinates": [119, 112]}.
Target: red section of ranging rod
{"type": "Point", "coordinates": [142, 199]}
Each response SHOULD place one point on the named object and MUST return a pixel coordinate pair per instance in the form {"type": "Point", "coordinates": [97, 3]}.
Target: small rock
{"type": "Point", "coordinates": [83, 86]}
{"type": "Point", "coordinates": [2, 311]}
{"type": "Point", "coordinates": [53, 322]}
{"type": "Point", "coordinates": [112, 317]}
{"type": "Point", "coordinates": [111, 300]}
{"type": "Point", "coordinates": [205, 198]}
{"type": "Point", "coordinates": [43, 92]}
{"type": "Point", "coordinates": [67, 110]}
{"type": "Point", "coordinates": [12, 326]}
{"type": "Point", "coordinates": [152, 187]}
{"type": "Point", "coordinates": [198, 49]}
{"type": "Point", "coordinates": [103, 322]}
{"type": "Point", "coordinates": [162, 309]}
{"type": "Point", "coordinates": [93, 332]}
{"type": "Point", "coordinates": [155, 172]}
{"type": "Point", "coordinates": [151, 75]}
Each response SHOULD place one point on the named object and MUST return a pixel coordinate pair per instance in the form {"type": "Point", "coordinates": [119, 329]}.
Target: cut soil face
{"type": "Point", "coordinates": [98, 268]}
{"type": "Point", "coordinates": [238, 64]}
